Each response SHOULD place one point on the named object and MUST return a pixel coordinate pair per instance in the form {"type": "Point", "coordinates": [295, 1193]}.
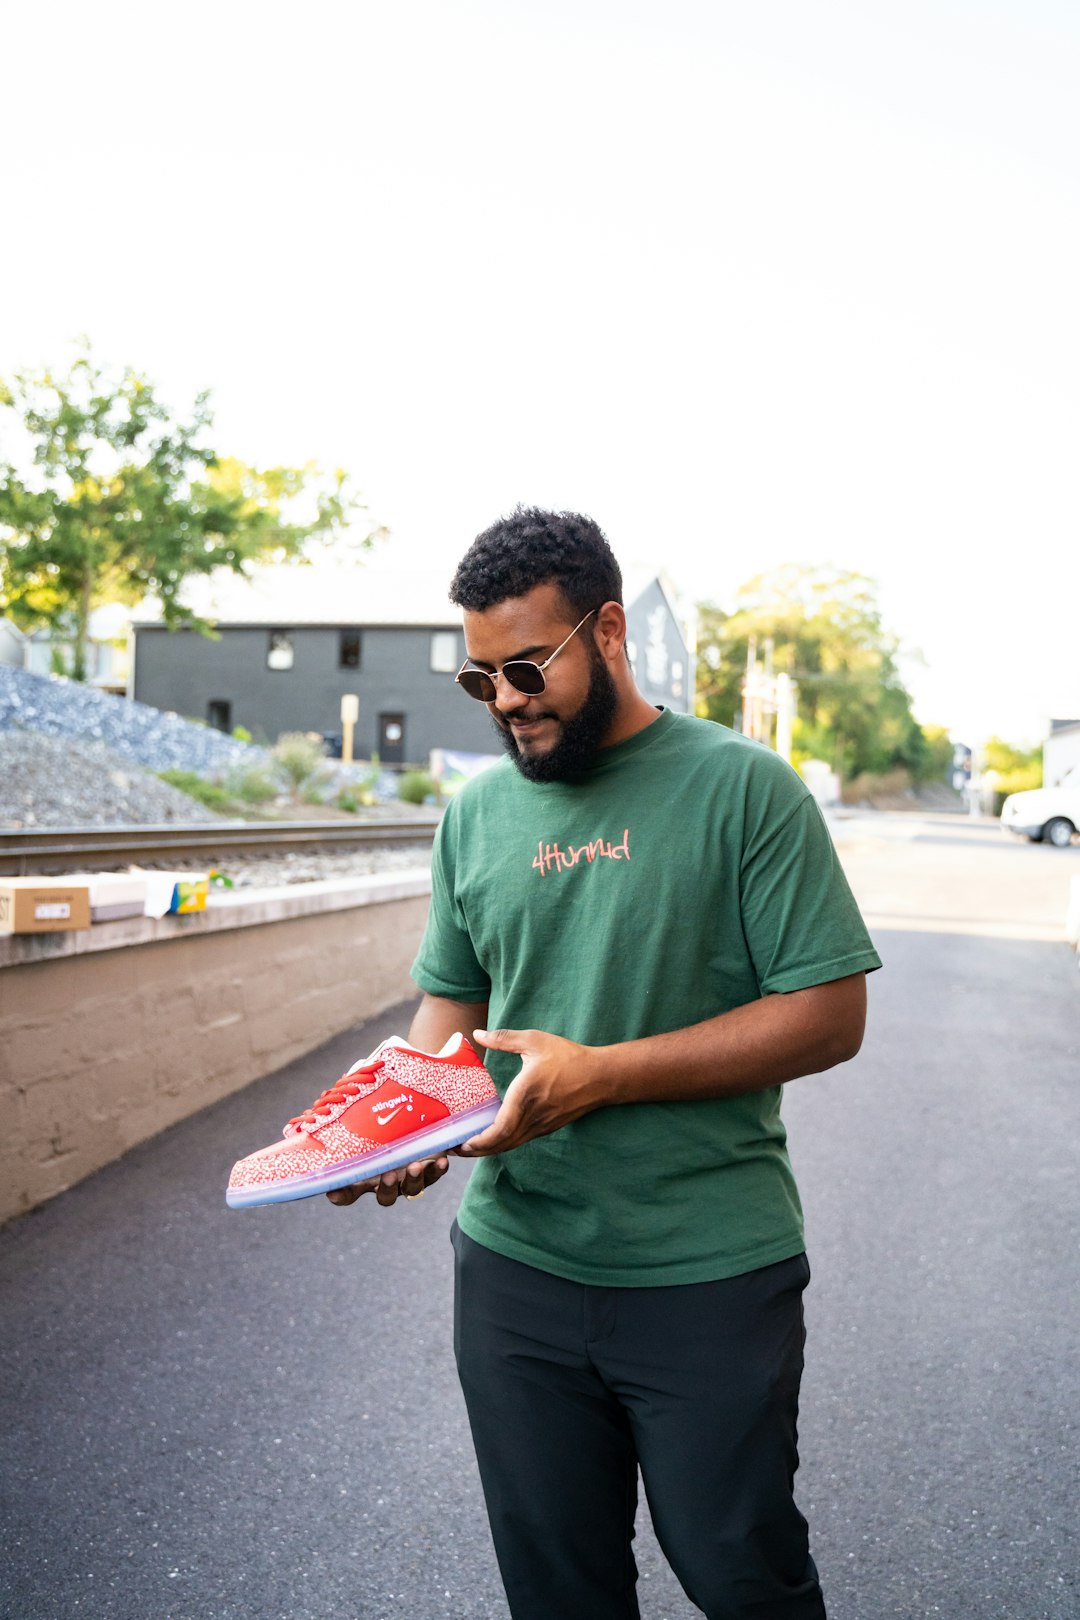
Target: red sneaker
{"type": "Point", "coordinates": [395, 1106]}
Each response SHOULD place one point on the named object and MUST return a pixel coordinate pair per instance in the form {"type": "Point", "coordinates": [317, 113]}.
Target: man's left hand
{"type": "Point", "coordinates": [558, 1083]}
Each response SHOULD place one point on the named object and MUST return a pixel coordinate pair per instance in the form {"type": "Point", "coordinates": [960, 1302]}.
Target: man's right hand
{"type": "Point", "coordinates": [409, 1182]}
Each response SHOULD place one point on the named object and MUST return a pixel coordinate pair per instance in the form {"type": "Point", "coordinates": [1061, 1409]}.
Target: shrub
{"type": "Point", "coordinates": [354, 796]}
{"type": "Point", "coordinates": [251, 784]}
{"type": "Point", "coordinates": [212, 794]}
{"type": "Point", "coordinates": [300, 759]}
{"type": "Point", "coordinates": [231, 794]}
{"type": "Point", "coordinates": [416, 787]}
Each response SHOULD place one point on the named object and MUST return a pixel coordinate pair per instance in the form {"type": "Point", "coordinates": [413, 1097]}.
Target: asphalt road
{"type": "Point", "coordinates": [216, 1415]}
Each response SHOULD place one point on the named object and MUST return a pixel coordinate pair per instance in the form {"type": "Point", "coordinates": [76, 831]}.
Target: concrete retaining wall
{"type": "Point", "coordinates": [111, 1034]}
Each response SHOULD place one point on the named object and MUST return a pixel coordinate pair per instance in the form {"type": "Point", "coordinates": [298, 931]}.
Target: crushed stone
{"type": "Point", "coordinates": [55, 773]}
{"type": "Point", "coordinates": [53, 706]}
{"type": "Point", "coordinates": [53, 781]}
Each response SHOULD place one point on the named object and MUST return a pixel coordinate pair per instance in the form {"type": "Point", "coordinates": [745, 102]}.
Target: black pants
{"type": "Point", "coordinates": [570, 1389]}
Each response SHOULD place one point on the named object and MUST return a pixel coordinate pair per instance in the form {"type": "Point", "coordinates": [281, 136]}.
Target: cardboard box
{"type": "Point", "coordinates": [116, 894]}
{"type": "Point", "coordinates": [113, 894]}
{"type": "Point", "coordinates": [176, 892]}
{"type": "Point", "coordinates": [43, 905]}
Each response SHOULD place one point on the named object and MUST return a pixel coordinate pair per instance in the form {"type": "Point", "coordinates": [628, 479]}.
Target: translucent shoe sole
{"type": "Point", "coordinates": [427, 1144]}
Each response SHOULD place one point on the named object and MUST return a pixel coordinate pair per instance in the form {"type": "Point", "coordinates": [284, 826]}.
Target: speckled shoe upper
{"type": "Point", "coordinates": [395, 1106]}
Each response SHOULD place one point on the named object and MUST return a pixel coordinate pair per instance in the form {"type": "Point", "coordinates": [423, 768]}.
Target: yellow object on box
{"type": "Point", "coordinates": [191, 896]}
{"type": "Point", "coordinates": [176, 893]}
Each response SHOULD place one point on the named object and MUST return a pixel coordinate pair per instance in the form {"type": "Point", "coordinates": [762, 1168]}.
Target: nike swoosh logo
{"type": "Point", "coordinates": [384, 1119]}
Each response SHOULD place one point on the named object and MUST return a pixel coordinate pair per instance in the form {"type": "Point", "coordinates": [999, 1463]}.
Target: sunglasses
{"type": "Point", "coordinates": [521, 673]}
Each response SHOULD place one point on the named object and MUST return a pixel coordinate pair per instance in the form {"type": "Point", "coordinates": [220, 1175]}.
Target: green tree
{"type": "Point", "coordinates": [827, 634]}
{"type": "Point", "coordinates": [1016, 769]}
{"type": "Point", "coordinates": [106, 496]}
{"type": "Point", "coordinates": [939, 753]}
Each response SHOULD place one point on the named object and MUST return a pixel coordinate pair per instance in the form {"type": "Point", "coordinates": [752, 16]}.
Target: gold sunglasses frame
{"type": "Point", "coordinates": [495, 675]}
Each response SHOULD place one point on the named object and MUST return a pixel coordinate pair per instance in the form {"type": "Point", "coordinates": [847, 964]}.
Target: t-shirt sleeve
{"type": "Point", "coordinates": [800, 918]}
{"type": "Point", "coordinates": [446, 963]}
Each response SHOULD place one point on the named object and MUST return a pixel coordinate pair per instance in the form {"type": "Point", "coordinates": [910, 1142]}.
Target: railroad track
{"type": "Point", "coordinates": [35, 850]}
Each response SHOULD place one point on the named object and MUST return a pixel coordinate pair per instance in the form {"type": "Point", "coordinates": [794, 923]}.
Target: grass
{"type": "Point", "coordinates": [212, 794]}
{"type": "Point", "coordinates": [237, 793]}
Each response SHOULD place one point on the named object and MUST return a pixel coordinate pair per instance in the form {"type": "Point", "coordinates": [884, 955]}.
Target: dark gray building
{"type": "Point", "coordinates": [291, 677]}
{"type": "Point", "coordinates": [286, 651]}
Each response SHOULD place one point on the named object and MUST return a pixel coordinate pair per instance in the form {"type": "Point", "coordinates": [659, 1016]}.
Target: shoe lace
{"type": "Point", "coordinates": [350, 1085]}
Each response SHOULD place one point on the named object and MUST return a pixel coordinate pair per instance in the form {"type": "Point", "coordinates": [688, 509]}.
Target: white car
{"type": "Point", "coordinates": [1050, 814]}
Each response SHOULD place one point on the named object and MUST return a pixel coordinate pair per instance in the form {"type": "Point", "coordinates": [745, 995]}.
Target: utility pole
{"type": "Point", "coordinates": [765, 694]}
{"type": "Point", "coordinates": [785, 714]}
{"type": "Point", "coordinates": [749, 683]}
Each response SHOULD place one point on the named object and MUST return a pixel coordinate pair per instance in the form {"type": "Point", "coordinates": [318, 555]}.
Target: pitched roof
{"type": "Point", "coordinates": [330, 592]}
{"type": "Point", "coordinates": [323, 592]}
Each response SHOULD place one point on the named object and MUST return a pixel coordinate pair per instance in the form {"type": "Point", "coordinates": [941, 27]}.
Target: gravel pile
{"type": "Point", "coordinates": [53, 782]}
{"type": "Point", "coordinates": [71, 756]}
{"type": "Point", "coordinates": [56, 782]}
{"type": "Point", "coordinates": [52, 706]}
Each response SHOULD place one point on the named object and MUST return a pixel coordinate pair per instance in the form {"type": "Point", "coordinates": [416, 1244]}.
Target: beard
{"type": "Point", "coordinates": [579, 738]}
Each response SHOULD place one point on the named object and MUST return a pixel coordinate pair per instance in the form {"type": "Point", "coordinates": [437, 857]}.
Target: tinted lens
{"type": "Point", "coordinates": [523, 676]}
{"type": "Point", "coordinates": [477, 684]}
{"type": "Point", "coordinates": [526, 677]}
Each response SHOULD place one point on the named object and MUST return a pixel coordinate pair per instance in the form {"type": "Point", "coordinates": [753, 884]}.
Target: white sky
{"type": "Point", "coordinates": [749, 283]}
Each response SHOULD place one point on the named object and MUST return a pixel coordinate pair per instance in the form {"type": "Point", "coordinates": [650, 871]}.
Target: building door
{"type": "Point", "coordinates": [392, 739]}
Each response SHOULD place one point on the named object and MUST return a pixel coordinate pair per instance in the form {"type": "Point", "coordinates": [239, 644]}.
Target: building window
{"type": "Point", "coordinates": [219, 714]}
{"type": "Point", "coordinates": [280, 651]}
{"type": "Point", "coordinates": [349, 649]}
{"type": "Point", "coordinates": [444, 652]}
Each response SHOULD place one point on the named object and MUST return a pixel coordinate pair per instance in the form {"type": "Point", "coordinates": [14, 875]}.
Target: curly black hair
{"type": "Point", "coordinates": [532, 547]}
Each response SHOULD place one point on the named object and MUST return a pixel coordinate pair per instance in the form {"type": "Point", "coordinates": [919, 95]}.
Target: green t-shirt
{"type": "Point", "coordinates": [688, 873]}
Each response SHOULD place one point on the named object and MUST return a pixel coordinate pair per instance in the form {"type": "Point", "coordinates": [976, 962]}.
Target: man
{"type": "Point", "coordinates": [650, 908]}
